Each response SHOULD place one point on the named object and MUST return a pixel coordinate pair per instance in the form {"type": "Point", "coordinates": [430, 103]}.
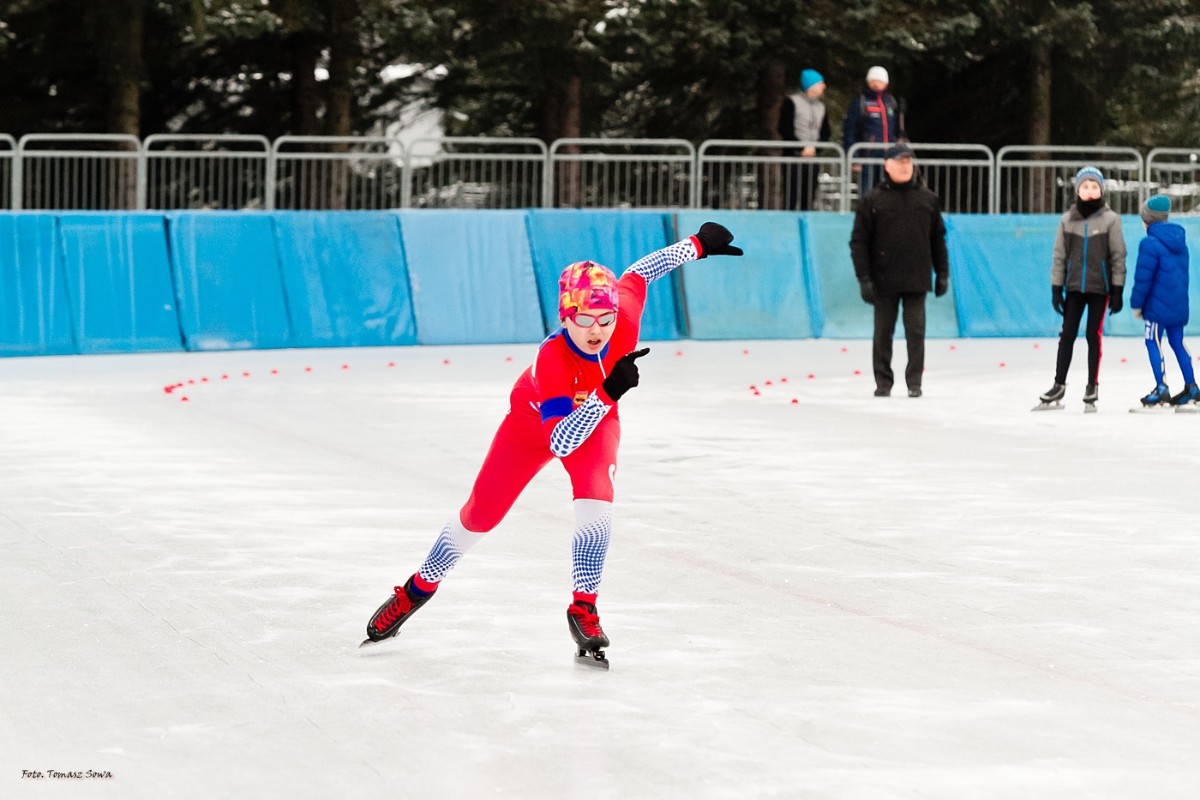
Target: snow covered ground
{"type": "Point", "coordinates": [811, 592]}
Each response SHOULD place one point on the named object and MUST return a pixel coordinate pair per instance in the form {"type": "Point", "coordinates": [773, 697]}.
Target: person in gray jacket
{"type": "Point", "coordinates": [802, 118]}
{"type": "Point", "coordinates": [1087, 272]}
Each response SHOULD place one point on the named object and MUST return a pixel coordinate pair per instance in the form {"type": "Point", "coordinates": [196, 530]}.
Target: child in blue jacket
{"type": "Point", "coordinates": [1160, 297]}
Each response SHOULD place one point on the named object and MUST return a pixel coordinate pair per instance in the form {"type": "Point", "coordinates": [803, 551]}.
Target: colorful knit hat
{"type": "Point", "coordinates": [810, 78]}
{"type": "Point", "coordinates": [586, 286]}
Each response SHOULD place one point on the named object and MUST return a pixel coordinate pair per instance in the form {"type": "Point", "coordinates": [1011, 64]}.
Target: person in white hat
{"type": "Point", "coordinates": [873, 116]}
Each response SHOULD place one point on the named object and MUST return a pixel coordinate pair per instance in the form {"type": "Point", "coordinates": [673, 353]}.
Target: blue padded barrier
{"type": "Point", "coordinates": [472, 276]}
{"type": "Point", "coordinates": [843, 314]}
{"type": "Point", "coordinates": [227, 280]}
{"type": "Point", "coordinates": [559, 237]}
{"type": "Point", "coordinates": [1124, 323]}
{"type": "Point", "coordinates": [762, 295]}
{"type": "Point", "coordinates": [102, 282]}
{"type": "Point", "coordinates": [118, 273]}
{"type": "Point", "coordinates": [1192, 226]}
{"type": "Point", "coordinates": [1000, 274]}
{"type": "Point", "coordinates": [35, 313]}
{"type": "Point", "coordinates": [346, 278]}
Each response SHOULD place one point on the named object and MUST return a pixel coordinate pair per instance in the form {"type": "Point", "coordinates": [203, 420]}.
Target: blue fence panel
{"type": "Point", "coordinates": [616, 239]}
{"type": "Point", "coordinates": [472, 277]}
{"type": "Point", "coordinates": [346, 278]}
{"type": "Point", "coordinates": [118, 272]}
{"type": "Point", "coordinates": [1000, 269]}
{"type": "Point", "coordinates": [227, 280]}
{"type": "Point", "coordinates": [35, 313]}
{"type": "Point", "coordinates": [762, 295]}
{"type": "Point", "coordinates": [1192, 227]}
{"type": "Point", "coordinates": [843, 314]}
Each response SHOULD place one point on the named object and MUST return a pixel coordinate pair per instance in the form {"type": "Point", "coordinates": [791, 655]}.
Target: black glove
{"type": "Point", "coordinates": [942, 285]}
{"type": "Point", "coordinates": [715, 241]}
{"type": "Point", "coordinates": [867, 290]}
{"type": "Point", "coordinates": [1115, 301]}
{"type": "Point", "coordinates": [1056, 298]}
{"type": "Point", "coordinates": [624, 375]}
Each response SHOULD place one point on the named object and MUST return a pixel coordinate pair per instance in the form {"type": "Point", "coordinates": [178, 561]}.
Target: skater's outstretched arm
{"type": "Point", "coordinates": [713, 239]}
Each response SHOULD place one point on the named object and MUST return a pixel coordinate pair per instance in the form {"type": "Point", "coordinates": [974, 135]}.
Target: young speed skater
{"type": "Point", "coordinates": [564, 406]}
{"type": "Point", "coordinates": [1087, 273]}
{"type": "Point", "coordinates": [1160, 298]}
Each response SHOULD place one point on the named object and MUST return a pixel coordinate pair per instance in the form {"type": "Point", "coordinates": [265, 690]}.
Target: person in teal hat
{"type": "Point", "coordinates": [1160, 299]}
{"type": "Point", "coordinates": [802, 118]}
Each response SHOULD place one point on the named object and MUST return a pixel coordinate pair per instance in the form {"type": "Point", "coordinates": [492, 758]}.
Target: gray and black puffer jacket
{"type": "Point", "coordinates": [1089, 252]}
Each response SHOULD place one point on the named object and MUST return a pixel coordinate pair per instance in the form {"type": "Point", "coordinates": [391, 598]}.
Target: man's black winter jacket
{"type": "Point", "coordinates": [898, 237]}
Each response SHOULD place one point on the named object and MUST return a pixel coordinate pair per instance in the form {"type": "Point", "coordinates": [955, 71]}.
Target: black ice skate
{"type": "Point", "coordinates": [589, 637]}
{"type": "Point", "coordinates": [1090, 395]}
{"type": "Point", "coordinates": [1158, 400]}
{"type": "Point", "coordinates": [1051, 399]}
{"type": "Point", "coordinates": [394, 612]}
{"type": "Point", "coordinates": [1188, 400]}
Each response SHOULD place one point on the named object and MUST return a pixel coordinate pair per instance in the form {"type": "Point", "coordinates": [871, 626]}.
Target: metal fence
{"type": "Point", "coordinates": [961, 175]}
{"type": "Point", "coordinates": [468, 172]}
{"type": "Point", "coordinates": [169, 171]}
{"type": "Point", "coordinates": [70, 171]}
{"type": "Point", "coordinates": [191, 171]}
{"type": "Point", "coordinates": [335, 173]}
{"type": "Point", "coordinates": [735, 173]}
{"type": "Point", "coordinates": [1040, 180]}
{"type": "Point", "coordinates": [1175, 172]}
{"type": "Point", "coordinates": [8, 149]}
{"type": "Point", "coordinates": [620, 173]}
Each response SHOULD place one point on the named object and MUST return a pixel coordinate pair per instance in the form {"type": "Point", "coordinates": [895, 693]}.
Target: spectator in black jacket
{"type": "Point", "coordinates": [899, 240]}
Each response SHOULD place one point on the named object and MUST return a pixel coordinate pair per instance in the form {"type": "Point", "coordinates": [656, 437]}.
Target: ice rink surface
{"type": "Point", "coordinates": [811, 592]}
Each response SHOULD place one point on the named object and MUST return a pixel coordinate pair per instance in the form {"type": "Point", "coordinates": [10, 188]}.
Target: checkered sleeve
{"type": "Point", "coordinates": [661, 262]}
{"type": "Point", "coordinates": [571, 431]}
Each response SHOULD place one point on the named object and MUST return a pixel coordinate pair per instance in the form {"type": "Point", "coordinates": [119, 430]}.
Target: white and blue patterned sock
{"type": "Point", "coordinates": [593, 528]}
{"type": "Point", "coordinates": [451, 545]}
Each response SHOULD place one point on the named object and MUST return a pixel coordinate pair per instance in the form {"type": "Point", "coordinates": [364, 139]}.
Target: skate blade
{"type": "Point", "coordinates": [1047, 407]}
{"type": "Point", "coordinates": [1089, 408]}
{"type": "Point", "coordinates": [368, 642]}
{"type": "Point", "coordinates": [594, 659]}
{"type": "Point", "coordinates": [1190, 408]}
{"type": "Point", "coordinates": [1160, 409]}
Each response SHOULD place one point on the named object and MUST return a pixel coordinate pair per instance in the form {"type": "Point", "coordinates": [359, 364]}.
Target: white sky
{"type": "Point", "coordinates": [841, 597]}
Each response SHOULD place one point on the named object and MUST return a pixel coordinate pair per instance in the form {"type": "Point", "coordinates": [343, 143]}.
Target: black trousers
{"type": "Point", "coordinates": [887, 309]}
{"type": "Point", "coordinates": [802, 184]}
{"type": "Point", "coordinates": [1096, 305]}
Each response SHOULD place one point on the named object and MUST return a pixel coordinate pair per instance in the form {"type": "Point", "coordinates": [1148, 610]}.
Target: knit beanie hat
{"type": "Point", "coordinates": [810, 78]}
{"type": "Point", "coordinates": [1156, 209]}
{"type": "Point", "coordinates": [1090, 173]}
{"type": "Point", "coordinates": [877, 74]}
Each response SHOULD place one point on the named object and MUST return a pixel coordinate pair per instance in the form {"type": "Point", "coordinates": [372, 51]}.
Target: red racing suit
{"type": "Point", "coordinates": [558, 407]}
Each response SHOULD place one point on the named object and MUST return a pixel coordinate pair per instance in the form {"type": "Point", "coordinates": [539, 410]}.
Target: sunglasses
{"type": "Point", "coordinates": [587, 320]}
